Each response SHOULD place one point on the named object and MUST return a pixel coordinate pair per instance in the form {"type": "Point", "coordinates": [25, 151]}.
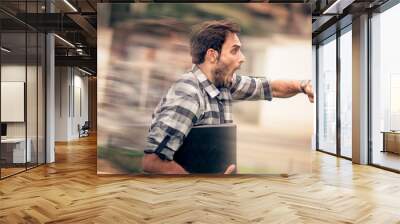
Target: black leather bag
{"type": "Point", "coordinates": [208, 149]}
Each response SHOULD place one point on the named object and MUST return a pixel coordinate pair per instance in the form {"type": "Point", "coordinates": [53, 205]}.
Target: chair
{"type": "Point", "coordinates": [84, 130]}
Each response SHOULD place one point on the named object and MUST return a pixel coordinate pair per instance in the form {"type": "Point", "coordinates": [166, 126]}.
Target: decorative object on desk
{"type": "Point", "coordinates": [208, 149]}
{"type": "Point", "coordinates": [391, 141]}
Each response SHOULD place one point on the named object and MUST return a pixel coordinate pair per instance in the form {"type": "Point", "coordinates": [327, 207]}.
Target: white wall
{"type": "Point", "coordinates": [13, 73]}
{"type": "Point", "coordinates": [71, 87]}
{"type": "Point", "coordinates": [62, 81]}
{"type": "Point", "coordinates": [80, 103]}
{"type": "Point", "coordinates": [12, 101]}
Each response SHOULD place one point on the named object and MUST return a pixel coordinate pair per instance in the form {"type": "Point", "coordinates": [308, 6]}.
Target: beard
{"type": "Point", "coordinates": [222, 75]}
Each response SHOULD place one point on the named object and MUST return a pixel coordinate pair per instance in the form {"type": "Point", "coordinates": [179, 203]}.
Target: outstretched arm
{"type": "Point", "coordinates": [251, 88]}
{"type": "Point", "coordinates": [289, 88]}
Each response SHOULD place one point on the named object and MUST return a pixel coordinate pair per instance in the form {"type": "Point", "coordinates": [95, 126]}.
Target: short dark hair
{"type": "Point", "coordinates": [210, 34]}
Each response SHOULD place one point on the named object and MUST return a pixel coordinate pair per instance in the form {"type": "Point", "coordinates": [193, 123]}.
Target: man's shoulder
{"type": "Point", "coordinates": [187, 83]}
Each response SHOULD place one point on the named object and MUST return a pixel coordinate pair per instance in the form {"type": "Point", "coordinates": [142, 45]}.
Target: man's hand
{"type": "Point", "coordinates": [231, 168]}
{"type": "Point", "coordinates": [306, 87]}
{"type": "Point", "coordinates": [153, 164]}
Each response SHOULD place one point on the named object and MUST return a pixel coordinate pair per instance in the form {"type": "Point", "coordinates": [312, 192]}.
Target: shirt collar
{"type": "Point", "coordinates": [208, 86]}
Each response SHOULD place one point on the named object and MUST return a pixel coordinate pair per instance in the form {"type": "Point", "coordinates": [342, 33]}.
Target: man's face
{"type": "Point", "coordinates": [229, 61]}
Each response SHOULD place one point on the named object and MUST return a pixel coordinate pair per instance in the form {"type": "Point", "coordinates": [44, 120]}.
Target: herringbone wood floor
{"type": "Point", "coordinates": [69, 191]}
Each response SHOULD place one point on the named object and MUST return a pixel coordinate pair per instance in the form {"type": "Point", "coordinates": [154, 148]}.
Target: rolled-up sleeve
{"type": "Point", "coordinates": [250, 88]}
{"type": "Point", "coordinates": [172, 122]}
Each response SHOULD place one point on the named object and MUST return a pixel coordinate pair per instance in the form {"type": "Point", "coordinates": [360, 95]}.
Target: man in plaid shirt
{"type": "Point", "coordinates": [204, 95]}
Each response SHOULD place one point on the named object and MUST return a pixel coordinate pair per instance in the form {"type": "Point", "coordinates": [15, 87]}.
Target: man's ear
{"type": "Point", "coordinates": [212, 55]}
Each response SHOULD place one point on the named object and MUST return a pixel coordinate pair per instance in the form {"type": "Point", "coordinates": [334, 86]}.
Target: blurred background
{"type": "Point", "coordinates": [144, 47]}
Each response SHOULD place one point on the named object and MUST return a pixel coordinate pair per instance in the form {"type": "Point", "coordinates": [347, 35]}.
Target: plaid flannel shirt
{"type": "Point", "coordinates": [193, 100]}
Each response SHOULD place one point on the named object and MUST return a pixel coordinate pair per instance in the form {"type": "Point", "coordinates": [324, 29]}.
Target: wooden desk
{"type": "Point", "coordinates": [13, 150]}
{"type": "Point", "coordinates": [391, 141]}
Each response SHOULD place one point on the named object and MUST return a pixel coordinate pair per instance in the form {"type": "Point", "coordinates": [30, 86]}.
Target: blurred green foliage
{"type": "Point", "coordinates": [127, 159]}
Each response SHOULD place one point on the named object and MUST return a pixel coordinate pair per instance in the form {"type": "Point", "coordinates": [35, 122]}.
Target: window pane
{"type": "Point", "coordinates": [13, 87]}
{"type": "Point", "coordinates": [327, 96]}
{"type": "Point", "coordinates": [31, 96]}
{"type": "Point", "coordinates": [345, 94]}
{"type": "Point", "coordinates": [386, 88]}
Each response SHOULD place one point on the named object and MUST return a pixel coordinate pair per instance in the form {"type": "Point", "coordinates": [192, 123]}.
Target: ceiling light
{"type": "Point", "coordinates": [338, 6]}
{"type": "Point", "coordinates": [65, 41]}
{"type": "Point", "coordinates": [70, 5]}
{"type": "Point", "coordinates": [84, 71]}
{"type": "Point", "coordinates": [5, 50]}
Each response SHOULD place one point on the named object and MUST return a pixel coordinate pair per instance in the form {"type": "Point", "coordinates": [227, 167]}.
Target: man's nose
{"type": "Point", "coordinates": [242, 58]}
